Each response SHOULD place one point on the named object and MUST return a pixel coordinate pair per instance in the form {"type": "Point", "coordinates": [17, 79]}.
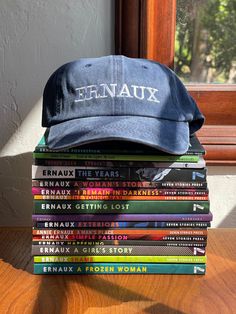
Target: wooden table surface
{"type": "Point", "coordinates": [23, 292]}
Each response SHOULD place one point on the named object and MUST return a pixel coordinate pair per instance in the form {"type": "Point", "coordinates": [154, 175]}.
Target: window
{"type": "Point", "coordinates": [205, 50]}
{"type": "Point", "coordinates": [146, 29]}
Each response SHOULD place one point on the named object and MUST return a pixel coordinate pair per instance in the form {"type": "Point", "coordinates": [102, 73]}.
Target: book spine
{"type": "Point", "coordinates": [119, 224]}
{"type": "Point", "coordinates": [188, 232]}
{"type": "Point", "coordinates": [106, 192]}
{"type": "Point", "coordinates": [118, 268]}
{"type": "Point", "coordinates": [61, 155]}
{"type": "Point", "coordinates": [124, 217]}
{"type": "Point", "coordinates": [112, 148]}
{"type": "Point", "coordinates": [122, 198]}
{"type": "Point", "coordinates": [120, 259]}
{"type": "Point", "coordinates": [116, 163]}
{"type": "Point", "coordinates": [117, 184]}
{"type": "Point", "coordinates": [117, 250]}
{"type": "Point", "coordinates": [118, 237]}
{"type": "Point", "coordinates": [42, 148]}
{"type": "Point", "coordinates": [118, 207]}
{"type": "Point", "coordinates": [123, 174]}
{"type": "Point", "coordinates": [126, 242]}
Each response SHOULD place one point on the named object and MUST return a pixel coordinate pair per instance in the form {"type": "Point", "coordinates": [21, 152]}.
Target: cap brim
{"type": "Point", "coordinates": [165, 135]}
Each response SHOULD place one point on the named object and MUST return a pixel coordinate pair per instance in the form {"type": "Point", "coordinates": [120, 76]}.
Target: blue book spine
{"type": "Point", "coordinates": [118, 268]}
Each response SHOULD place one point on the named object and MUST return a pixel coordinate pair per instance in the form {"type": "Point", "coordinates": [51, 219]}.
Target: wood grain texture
{"type": "Point", "coordinates": [220, 154]}
{"type": "Point", "coordinates": [157, 35]}
{"type": "Point", "coordinates": [127, 28]}
{"type": "Point", "coordinates": [137, 25]}
{"type": "Point", "coordinates": [22, 292]}
{"type": "Point", "coordinates": [219, 142]}
{"type": "Point", "coordinates": [217, 134]}
{"type": "Point", "coordinates": [219, 107]}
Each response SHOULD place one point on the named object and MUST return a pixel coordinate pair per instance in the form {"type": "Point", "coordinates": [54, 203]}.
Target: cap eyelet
{"type": "Point", "coordinates": [144, 67]}
{"type": "Point", "coordinates": [88, 65]}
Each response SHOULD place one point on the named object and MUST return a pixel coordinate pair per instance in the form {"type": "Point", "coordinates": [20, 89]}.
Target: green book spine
{"type": "Point", "coordinates": [118, 268]}
{"type": "Point", "coordinates": [60, 155]}
{"type": "Point", "coordinates": [118, 207]}
{"type": "Point", "coordinates": [113, 250]}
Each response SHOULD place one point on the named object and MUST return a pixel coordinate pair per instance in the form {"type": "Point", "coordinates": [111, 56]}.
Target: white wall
{"type": "Point", "coordinates": [36, 37]}
{"type": "Point", "coordinates": [222, 189]}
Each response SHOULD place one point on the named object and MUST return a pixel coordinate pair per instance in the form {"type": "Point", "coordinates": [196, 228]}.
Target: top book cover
{"type": "Point", "coordinates": [117, 147]}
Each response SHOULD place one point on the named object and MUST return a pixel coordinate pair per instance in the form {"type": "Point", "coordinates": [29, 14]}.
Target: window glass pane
{"type": "Point", "coordinates": [205, 45]}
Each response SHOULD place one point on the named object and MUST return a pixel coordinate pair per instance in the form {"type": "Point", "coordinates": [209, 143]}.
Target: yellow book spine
{"type": "Point", "coordinates": [120, 259]}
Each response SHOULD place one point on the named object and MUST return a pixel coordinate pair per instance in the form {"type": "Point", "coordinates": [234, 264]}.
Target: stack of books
{"type": "Point", "coordinates": [117, 207]}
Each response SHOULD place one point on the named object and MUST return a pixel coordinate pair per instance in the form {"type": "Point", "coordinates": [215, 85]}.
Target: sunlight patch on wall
{"type": "Point", "coordinates": [27, 135]}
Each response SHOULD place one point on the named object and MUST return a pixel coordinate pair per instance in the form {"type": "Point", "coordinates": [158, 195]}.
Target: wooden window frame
{"type": "Point", "coordinates": [136, 35]}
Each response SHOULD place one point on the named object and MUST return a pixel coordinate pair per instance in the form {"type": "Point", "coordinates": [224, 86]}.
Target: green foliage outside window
{"type": "Point", "coordinates": [205, 45]}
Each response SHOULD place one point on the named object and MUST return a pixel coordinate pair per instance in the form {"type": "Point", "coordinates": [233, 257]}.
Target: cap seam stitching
{"type": "Point", "coordinates": [99, 116]}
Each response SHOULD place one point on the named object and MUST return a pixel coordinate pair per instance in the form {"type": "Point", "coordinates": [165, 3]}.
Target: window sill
{"type": "Point", "coordinates": [219, 142]}
{"type": "Point", "coordinates": [218, 136]}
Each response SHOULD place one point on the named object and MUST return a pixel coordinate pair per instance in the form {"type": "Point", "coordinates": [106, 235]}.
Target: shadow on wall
{"type": "Point", "coordinates": [35, 39]}
{"type": "Point", "coordinates": [16, 201]}
{"type": "Point", "coordinates": [229, 221]}
{"type": "Point", "coordinates": [26, 137]}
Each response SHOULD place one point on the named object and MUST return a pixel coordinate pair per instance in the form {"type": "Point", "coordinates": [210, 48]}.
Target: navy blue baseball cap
{"type": "Point", "coordinates": [119, 98]}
